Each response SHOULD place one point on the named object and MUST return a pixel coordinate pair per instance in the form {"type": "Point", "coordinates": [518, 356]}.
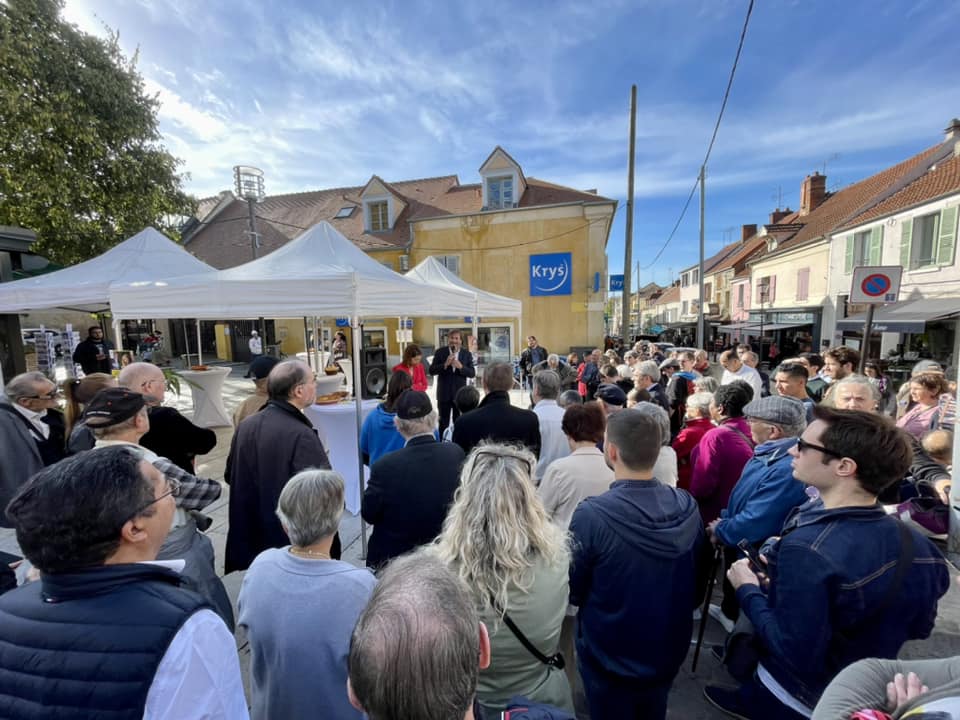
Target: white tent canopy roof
{"type": "Point", "coordinates": [320, 273]}
{"type": "Point", "coordinates": [86, 286]}
{"type": "Point", "coordinates": [432, 272]}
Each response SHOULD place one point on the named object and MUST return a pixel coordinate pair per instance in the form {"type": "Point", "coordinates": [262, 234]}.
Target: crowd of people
{"type": "Point", "coordinates": [517, 554]}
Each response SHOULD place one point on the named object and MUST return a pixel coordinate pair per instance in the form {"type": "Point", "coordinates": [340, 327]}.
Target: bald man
{"type": "Point", "coordinates": [171, 435]}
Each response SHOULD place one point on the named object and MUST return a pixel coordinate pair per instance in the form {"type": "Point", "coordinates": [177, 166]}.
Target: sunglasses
{"type": "Point", "coordinates": [804, 445]}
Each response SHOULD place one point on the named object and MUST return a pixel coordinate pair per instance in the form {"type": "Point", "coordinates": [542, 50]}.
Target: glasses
{"type": "Point", "coordinates": [55, 393]}
{"type": "Point", "coordinates": [804, 445]}
{"type": "Point", "coordinates": [174, 490]}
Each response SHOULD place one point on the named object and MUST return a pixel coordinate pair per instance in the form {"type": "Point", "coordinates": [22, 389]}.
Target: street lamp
{"type": "Point", "coordinates": [248, 182]}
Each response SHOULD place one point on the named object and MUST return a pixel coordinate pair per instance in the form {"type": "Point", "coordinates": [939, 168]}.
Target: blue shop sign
{"type": "Point", "coordinates": [616, 283]}
{"type": "Point", "coordinates": [343, 322]}
{"type": "Point", "coordinates": [551, 274]}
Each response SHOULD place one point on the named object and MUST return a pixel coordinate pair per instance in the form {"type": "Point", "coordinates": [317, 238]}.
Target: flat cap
{"type": "Point", "coordinates": [776, 409]}
{"type": "Point", "coordinates": [612, 395]}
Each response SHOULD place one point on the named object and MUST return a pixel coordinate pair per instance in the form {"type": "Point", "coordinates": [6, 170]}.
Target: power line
{"type": "Point", "coordinates": [713, 137]}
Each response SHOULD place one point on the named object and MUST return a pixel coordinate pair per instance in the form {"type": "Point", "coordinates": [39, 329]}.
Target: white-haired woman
{"type": "Point", "coordinates": [299, 607]}
{"type": "Point", "coordinates": [666, 468]}
{"type": "Point", "coordinates": [498, 538]}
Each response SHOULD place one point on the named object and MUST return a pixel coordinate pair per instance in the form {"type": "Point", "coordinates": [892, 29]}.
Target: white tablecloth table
{"type": "Point", "coordinates": [206, 387]}
{"type": "Point", "coordinates": [337, 427]}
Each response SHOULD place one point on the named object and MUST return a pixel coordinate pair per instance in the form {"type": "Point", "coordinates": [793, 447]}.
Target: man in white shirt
{"type": "Point", "coordinates": [553, 443]}
{"type": "Point", "coordinates": [25, 443]}
{"type": "Point", "coordinates": [107, 630]}
{"type": "Point", "coordinates": [256, 348]}
{"type": "Point", "coordinates": [733, 369]}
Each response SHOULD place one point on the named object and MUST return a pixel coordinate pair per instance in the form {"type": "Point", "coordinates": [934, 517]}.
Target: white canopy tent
{"type": "Point", "coordinates": [432, 273]}
{"type": "Point", "coordinates": [86, 286]}
{"type": "Point", "coordinates": [320, 273]}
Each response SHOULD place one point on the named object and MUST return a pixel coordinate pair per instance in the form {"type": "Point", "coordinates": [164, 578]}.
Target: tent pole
{"type": "Point", "coordinates": [199, 349]}
{"type": "Point", "coordinates": [519, 341]}
{"type": "Point", "coordinates": [318, 342]}
{"type": "Point", "coordinates": [186, 339]}
{"type": "Point", "coordinates": [306, 343]}
{"type": "Point", "coordinates": [358, 401]}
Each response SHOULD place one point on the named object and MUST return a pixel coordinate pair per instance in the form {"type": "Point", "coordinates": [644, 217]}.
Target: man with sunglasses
{"type": "Point", "coordinates": [28, 441]}
{"type": "Point", "coordinates": [846, 581]}
{"type": "Point", "coordinates": [108, 631]}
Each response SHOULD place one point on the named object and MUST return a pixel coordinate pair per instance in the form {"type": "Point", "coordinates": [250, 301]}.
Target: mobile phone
{"type": "Point", "coordinates": [755, 562]}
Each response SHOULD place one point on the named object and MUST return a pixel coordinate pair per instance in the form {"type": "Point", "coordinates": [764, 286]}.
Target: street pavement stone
{"type": "Point", "coordinates": [686, 697]}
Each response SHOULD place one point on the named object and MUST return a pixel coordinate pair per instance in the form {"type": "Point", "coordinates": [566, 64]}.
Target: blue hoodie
{"type": "Point", "coordinates": [636, 552]}
{"type": "Point", "coordinates": [379, 435]}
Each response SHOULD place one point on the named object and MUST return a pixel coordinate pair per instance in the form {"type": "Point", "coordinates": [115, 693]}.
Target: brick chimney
{"type": "Point", "coordinates": [777, 215]}
{"type": "Point", "coordinates": [747, 232]}
{"type": "Point", "coordinates": [813, 191]}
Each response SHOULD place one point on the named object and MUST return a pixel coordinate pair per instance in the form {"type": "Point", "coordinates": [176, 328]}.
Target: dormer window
{"type": "Point", "coordinates": [500, 192]}
{"type": "Point", "coordinates": [345, 211]}
{"type": "Point", "coordinates": [378, 215]}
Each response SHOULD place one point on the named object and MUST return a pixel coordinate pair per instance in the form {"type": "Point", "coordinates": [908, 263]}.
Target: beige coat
{"type": "Point", "coordinates": [567, 481]}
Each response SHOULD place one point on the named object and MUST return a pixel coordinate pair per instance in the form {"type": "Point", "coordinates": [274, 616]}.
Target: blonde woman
{"type": "Point", "coordinates": [499, 540]}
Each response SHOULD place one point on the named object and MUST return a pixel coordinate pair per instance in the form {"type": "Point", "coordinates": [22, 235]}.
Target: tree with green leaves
{"type": "Point", "coordinates": [81, 162]}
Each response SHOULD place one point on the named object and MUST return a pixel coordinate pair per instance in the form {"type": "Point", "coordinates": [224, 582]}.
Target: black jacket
{"type": "Point", "coordinates": [449, 379]}
{"type": "Point", "coordinates": [407, 496]}
{"type": "Point", "coordinates": [174, 437]}
{"type": "Point", "coordinates": [267, 450]}
{"type": "Point", "coordinates": [497, 420]}
{"type": "Point", "coordinates": [86, 356]}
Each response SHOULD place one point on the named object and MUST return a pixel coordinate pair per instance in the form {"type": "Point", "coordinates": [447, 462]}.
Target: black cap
{"type": "Point", "coordinates": [413, 404]}
{"type": "Point", "coordinates": [612, 395]}
{"type": "Point", "coordinates": [112, 406]}
{"type": "Point", "coordinates": [262, 366]}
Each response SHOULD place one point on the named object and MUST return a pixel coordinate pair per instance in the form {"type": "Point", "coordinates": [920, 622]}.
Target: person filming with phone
{"type": "Point", "coordinates": [846, 580]}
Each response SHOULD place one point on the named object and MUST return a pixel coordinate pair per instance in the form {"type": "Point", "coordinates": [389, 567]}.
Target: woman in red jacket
{"type": "Point", "coordinates": [412, 364]}
{"type": "Point", "coordinates": [698, 424]}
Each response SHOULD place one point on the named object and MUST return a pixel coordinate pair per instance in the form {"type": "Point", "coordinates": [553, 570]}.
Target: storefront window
{"type": "Point", "coordinates": [493, 341]}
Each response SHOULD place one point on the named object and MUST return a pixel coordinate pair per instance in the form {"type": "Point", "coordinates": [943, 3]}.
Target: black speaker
{"type": "Point", "coordinates": [373, 373]}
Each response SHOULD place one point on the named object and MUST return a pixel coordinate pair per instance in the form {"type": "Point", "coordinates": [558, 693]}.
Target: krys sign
{"type": "Point", "coordinates": [551, 274]}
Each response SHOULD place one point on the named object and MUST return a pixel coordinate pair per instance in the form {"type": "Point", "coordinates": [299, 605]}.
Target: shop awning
{"type": "Point", "coordinates": [778, 326]}
{"type": "Point", "coordinates": [905, 317]}
{"type": "Point", "coordinates": [733, 327]}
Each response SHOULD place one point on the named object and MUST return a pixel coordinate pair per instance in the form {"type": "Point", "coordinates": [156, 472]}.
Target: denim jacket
{"type": "Point", "coordinates": [828, 573]}
{"type": "Point", "coordinates": [763, 496]}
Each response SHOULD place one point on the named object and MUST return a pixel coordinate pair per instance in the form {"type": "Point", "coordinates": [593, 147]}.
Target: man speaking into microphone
{"type": "Point", "coordinates": [452, 365]}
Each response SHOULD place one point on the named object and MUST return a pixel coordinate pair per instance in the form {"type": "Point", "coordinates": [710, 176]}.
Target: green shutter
{"type": "Point", "coordinates": [876, 245]}
{"type": "Point", "coordinates": [948, 236]}
{"type": "Point", "coordinates": [848, 256]}
{"type": "Point", "coordinates": [906, 230]}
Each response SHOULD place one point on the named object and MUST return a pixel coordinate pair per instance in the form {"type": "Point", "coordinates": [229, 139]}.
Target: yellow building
{"type": "Point", "coordinates": [538, 242]}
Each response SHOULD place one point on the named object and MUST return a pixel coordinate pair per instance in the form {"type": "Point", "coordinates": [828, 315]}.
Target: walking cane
{"type": "Point", "coordinates": [705, 611]}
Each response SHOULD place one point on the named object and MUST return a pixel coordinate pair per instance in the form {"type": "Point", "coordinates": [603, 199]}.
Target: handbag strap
{"type": "Point", "coordinates": [739, 432]}
{"type": "Point", "coordinates": [555, 660]}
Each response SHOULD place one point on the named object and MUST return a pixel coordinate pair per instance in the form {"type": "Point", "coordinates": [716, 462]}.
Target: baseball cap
{"type": "Point", "coordinates": [670, 362]}
{"type": "Point", "coordinates": [413, 404]}
{"type": "Point", "coordinates": [925, 366]}
{"type": "Point", "coordinates": [262, 366]}
{"type": "Point", "coordinates": [776, 409]}
{"type": "Point", "coordinates": [112, 406]}
{"type": "Point", "coordinates": [612, 395]}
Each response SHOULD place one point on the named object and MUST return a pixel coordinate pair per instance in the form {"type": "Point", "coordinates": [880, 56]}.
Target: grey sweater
{"type": "Point", "coordinates": [299, 615]}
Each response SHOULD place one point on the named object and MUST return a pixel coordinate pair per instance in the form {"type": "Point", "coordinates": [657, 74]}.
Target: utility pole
{"type": "Point", "coordinates": [628, 241]}
{"type": "Point", "coordinates": [701, 320]}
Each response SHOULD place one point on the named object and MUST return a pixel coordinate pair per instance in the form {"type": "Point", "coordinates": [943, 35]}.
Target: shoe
{"type": "Point", "coordinates": [717, 614]}
{"type": "Point", "coordinates": [726, 700]}
{"type": "Point", "coordinates": [718, 651]}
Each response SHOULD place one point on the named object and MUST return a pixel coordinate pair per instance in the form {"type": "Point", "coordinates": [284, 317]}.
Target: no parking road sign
{"type": "Point", "coordinates": [875, 285]}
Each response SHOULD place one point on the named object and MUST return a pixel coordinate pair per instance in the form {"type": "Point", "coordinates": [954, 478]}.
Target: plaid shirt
{"type": "Point", "coordinates": [195, 492]}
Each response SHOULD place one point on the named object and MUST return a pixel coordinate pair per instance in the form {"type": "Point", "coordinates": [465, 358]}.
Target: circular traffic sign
{"type": "Point", "coordinates": [876, 285]}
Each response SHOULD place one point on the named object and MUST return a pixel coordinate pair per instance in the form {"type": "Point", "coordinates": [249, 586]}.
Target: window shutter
{"type": "Point", "coordinates": [773, 288]}
{"type": "Point", "coordinates": [803, 283]}
{"type": "Point", "coordinates": [876, 245]}
{"type": "Point", "coordinates": [848, 255]}
{"type": "Point", "coordinates": [906, 230]}
{"type": "Point", "coordinates": [948, 236]}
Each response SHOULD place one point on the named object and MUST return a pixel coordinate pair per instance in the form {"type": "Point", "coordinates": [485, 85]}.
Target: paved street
{"type": "Point", "coordinates": [686, 700]}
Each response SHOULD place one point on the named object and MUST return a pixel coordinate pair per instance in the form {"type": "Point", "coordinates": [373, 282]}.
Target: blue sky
{"type": "Point", "coordinates": [322, 94]}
